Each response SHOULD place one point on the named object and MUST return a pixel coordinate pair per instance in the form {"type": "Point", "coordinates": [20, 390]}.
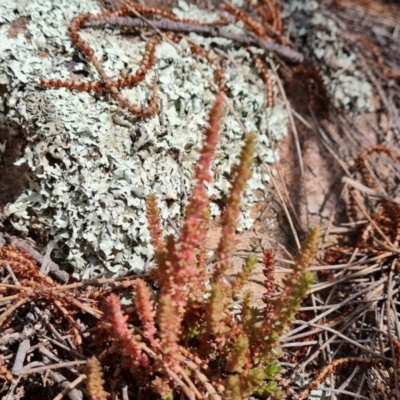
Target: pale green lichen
{"type": "Point", "coordinates": [91, 167]}
{"type": "Point", "coordinates": [303, 379]}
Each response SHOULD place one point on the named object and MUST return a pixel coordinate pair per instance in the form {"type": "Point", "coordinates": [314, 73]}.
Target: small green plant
{"type": "Point", "coordinates": [185, 338]}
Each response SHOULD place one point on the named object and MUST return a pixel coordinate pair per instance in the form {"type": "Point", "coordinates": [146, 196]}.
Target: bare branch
{"type": "Point", "coordinates": [54, 269]}
{"type": "Point", "coordinates": [206, 30]}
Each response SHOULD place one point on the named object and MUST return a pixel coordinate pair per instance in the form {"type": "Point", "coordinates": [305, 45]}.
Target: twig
{"type": "Point", "coordinates": [50, 326]}
{"type": "Point", "coordinates": [10, 310]}
{"type": "Point", "coordinates": [68, 317]}
{"type": "Point", "coordinates": [72, 351]}
{"type": "Point", "coordinates": [70, 387]}
{"type": "Point", "coordinates": [290, 336]}
{"type": "Point", "coordinates": [173, 226]}
{"type": "Point", "coordinates": [53, 357]}
{"type": "Point", "coordinates": [10, 393]}
{"type": "Point", "coordinates": [206, 30]}
{"type": "Point", "coordinates": [202, 378]}
{"type": "Point", "coordinates": [66, 364]}
{"type": "Point", "coordinates": [365, 189]}
{"type": "Point", "coordinates": [20, 357]}
{"type": "Point", "coordinates": [365, 271]}
{"type": "Point", "coordinates": [15, 287]}
{"type": "Point", "coordinates": [11, 272]}
{"type": "Point", "coordinates": [45, 267]}
{"type": "Point", "coordinates": [2, 240]}
{"type": "Point", "coordinates": [343, 392]}
{"type": "Point", "coordinates": [344, 337]}
{"type": "Point", "coordinates": [35, 255]}
{"type": "Point", "coordinates": [389, 246]}
{"type": "Point", "coordinates": [97, 314]}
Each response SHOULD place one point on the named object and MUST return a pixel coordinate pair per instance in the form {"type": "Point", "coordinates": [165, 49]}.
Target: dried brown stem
{"type": "Point", "coordinates": [166, 25]}
{"type": "Point", "coordinates": [10, 310]}
{"type": "Point", "coordinates": [331, 369]}
{"type": "Point", "coordinates": [35, 255]}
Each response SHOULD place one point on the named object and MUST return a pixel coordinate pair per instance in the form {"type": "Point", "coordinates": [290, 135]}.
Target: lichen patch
{"type": "Point", "coordinates": [92, 167]}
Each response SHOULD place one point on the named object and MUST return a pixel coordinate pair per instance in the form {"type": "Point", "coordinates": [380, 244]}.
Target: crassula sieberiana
{"type": "Point", "coordinates": [185, 337]}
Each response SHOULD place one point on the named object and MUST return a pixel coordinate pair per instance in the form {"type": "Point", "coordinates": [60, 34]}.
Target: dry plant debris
{"type": "Point", "coordinates": [346, 336]}
{"type": "Point", "coordinates": [351, 318]}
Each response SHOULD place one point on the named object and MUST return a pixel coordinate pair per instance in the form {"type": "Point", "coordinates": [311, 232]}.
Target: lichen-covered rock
{"type": "Point", "coordinates": [320, 35]}
{"type": "Point", "coordinates": [91, 167]}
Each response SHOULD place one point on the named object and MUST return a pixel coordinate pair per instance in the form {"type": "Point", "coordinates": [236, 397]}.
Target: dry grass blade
{"type": "Point", "coordinates": [29, 371]}
{"type": "Point", "coordinates": [70, 387]}
{"type": "Point", "coordinates": [11, 310]}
